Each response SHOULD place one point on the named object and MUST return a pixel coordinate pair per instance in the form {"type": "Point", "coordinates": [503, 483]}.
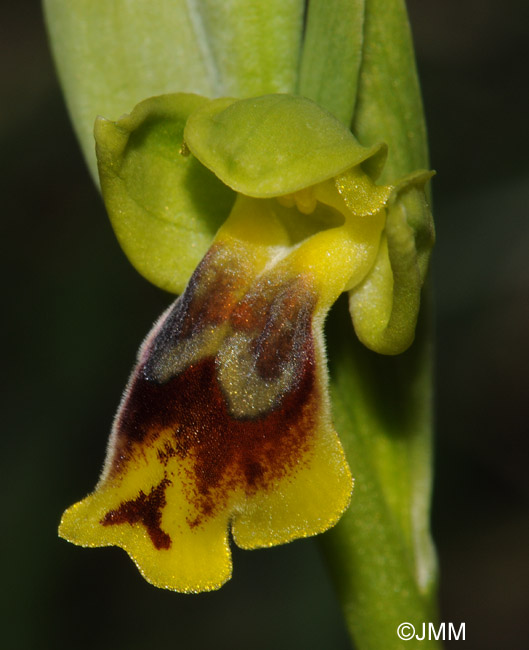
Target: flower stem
{"type": "Point", "coordinates": [380, 554]}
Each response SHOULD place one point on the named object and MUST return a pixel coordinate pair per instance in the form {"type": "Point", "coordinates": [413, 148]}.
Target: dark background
{"type": "Point", "coordinates": [75, 311]}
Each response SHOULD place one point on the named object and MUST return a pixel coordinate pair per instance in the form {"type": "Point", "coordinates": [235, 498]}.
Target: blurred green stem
{"type": "Point", "coordinates": [380, 554]}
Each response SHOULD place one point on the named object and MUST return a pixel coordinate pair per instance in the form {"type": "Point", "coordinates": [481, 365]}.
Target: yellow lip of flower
{"type": "Point", "coordinates": [225, 424]}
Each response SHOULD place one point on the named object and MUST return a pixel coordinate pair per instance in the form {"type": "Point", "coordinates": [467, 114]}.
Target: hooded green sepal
{"type": "Point", "coordinates": [385, 306]}
{"type": "Point", "coordinates": [164, 206]}
{"type": "Point", "coordinates": [275, 144]}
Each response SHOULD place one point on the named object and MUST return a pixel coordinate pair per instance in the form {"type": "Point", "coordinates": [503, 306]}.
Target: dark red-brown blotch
{"type": "Point", "coordinates": [188, 416]}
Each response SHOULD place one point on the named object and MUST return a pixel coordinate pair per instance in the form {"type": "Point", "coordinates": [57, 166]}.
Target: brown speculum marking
{"type": "Point", "coordinates": [145, 509]}
{"type": "Point", "coordinates": [190, 409]}
{"type": "Point", "coordinates": [284, 326]}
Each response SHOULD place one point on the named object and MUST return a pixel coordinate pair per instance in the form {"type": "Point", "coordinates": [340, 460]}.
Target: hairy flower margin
{"type": "Point", "coordinates": [226, 421]}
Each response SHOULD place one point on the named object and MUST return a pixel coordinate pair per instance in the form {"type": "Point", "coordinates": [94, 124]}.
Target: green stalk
{"type": "Point", "coordinates": [380, 554]}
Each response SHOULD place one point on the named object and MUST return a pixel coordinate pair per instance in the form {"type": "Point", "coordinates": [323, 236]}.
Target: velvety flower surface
{"type": "Point", "coordinates": [226, 424]}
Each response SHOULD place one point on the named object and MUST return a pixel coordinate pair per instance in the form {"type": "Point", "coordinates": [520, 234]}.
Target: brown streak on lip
{"type": "Point", "coordinates": [212, 307]}
{"type": "Point", "coordinates": [145, 509]}
{"type": "Point", "coordinates": [251, 312]}
{"type": "Point", "coordinates": [210, 296]}
{"type": "Point", "coordinates": [286, 329]}
{"type": "Point", "coordinates": [279, 317]}
{"type": "Point", "coordinates": [213, 291]}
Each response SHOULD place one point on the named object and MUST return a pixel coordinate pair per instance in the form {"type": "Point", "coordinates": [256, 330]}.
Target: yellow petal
{"type": "Point", "coordinates": [226, 421]}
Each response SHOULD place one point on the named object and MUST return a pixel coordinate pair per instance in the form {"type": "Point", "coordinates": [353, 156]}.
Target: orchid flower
{"type": "Point", "coordinates": [226, 423]}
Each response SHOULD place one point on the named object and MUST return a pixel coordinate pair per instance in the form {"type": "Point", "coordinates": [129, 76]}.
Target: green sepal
{"type": "Point", "coordinates": [165, 207]}
{"type": "Point", "coordinates": [385, 306]}
{"type": "Point", "coordinates": [274, 144]}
